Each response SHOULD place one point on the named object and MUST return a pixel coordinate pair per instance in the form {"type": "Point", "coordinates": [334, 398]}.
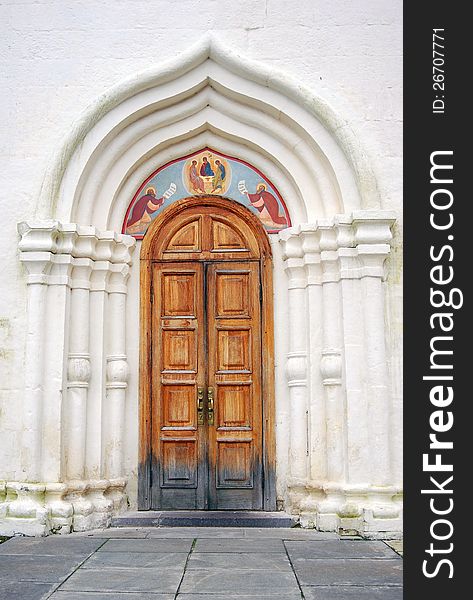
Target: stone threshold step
{"type": "Point", "coordinates": [204, 518]}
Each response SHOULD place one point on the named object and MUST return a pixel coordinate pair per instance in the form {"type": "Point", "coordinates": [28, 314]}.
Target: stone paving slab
{"type": "Point", "coordinates": [40, 569]}
{"type": "Point", "coordinates": [397, 546]}
{"type": "Point", "coordinates": [145, 560]}
{"type": "Point", "coordinates": [147, 545]}
{"type": "Point", "coordinates": [352, 593]}
{"type": "Point", "coordinates": [109, 596]}
{"type": "Point", "coordinates": [296, 595]}
{"type": "Point", "coordinates": [53, 545]}
{"type": "Point", "coordinates": [196, 532]}
{"type": "Point", "coordinates": [294, 533]}
{"type": "Point", "coordinates": [23, 590]}
{"type": "Point", "coordinates": [112, 579]}
{"type": "Point", "coordinates": [340, 571]}
{"type": "Point", "coordinates": [339, 549]}
{"type": "Point", "coordinates": [250, 562]}
{"type": "Point", "coordinates": [239, 545]}
{"type": "Point", "coordinates": [218, 581]}
{"type": "Point", "coordinates": [122, 532]}
{"type": "Point", "coordinates": [199, 563]}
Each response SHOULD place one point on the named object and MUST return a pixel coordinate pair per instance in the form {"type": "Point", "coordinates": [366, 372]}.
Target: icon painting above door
{"type": "Point", "coordinates": [201, 173]}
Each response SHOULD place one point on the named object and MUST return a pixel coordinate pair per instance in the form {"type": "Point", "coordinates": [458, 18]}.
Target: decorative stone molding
{"type": "Point", "coordinates": [116, 493]}
{"type": "Point", "coordinates": [102, 505]}
{"type": "Point", "coordinates": [117, 371]}
{"type": "Point", "coordinates": [78, 370]}
{"type": "Point", "coordinates": [23, 510]}
{"type": "Point", "coordinates": [76, 277]}
{"type": "Point", "coordinates": [331, 367]}
{"type": "Point", "coordinates": [296, 369]}
{"type": "Point", "coordinates": [335, 271]}
{"type": "Point", "coordinates": [77, 240]}
{"type": "Point", "coordinates": [208, 96]}
{"type": "Point", "coordinates": [60, 511]}
{"type": "Point", "coordinates": [60, 508]}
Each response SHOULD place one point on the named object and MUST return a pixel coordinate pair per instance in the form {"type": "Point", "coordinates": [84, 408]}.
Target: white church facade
{"type": "Point", "coordinates": [204, 306]}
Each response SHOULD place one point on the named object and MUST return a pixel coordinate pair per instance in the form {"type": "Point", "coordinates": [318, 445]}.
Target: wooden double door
{"type": "Point", "coordinates": [206, 360]}
{"type": "Point", "coordinates": [207, 385]}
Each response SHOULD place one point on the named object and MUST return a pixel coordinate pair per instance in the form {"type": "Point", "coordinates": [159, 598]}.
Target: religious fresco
{"type": "Point", "coordinates": [206, 172]}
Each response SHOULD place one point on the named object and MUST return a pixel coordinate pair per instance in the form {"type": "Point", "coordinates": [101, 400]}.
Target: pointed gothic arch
{"type": "Point", "coordinates": [208, 96]}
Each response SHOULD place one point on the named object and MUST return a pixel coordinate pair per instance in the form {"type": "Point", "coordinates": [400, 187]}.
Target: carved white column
{"type": "Point", "coordinates": [317, 416]}
{"type": "Point", "coordinates": [116, 379]}
{"type": "Point", "coordinates": [78, 371]}
{"type": "Point", "coordinates": [357, 415]}
{"type": "Point", "coordinates": [37, 245]}
{"type": "Point", "coordinates": [55, 354]}
{"type": "Point", "coordinates": [45, 350]}
{"type": "Point", "coordinates": [96, 396]}
{"type": "Point", "coordinates": [72, 344]}
{"type": "Point", "coordinates": [296, 366]}
{"type": "Point", "coordinates": [38, 267]}
{"type": "Point", "coordinates": [373, 257]}
{"type": "Point", "coordinates": [349, 483]}
{"type": "Point", "coordinates": [331, 364]}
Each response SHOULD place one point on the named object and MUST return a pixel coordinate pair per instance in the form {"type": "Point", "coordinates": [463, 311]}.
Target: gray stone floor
{"type": "Point", "coordinates": [198, 563]}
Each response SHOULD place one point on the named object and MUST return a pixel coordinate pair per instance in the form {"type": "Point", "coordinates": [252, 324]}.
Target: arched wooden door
{"type": "Point", "coordinates": [207, 439]}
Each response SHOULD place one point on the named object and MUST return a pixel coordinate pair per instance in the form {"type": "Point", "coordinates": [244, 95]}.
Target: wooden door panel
{"type": "Point", "coordinates": [232, 295]}
{"type": "Point", "coordinates": [179, 406]}
{"type": "Point", "coordinates": [233, 406]}
{"type": "Point", "coordinates": [234, 464]}
{"type": "Point", "coordinates": [178, 370]}
{"type": "Point", "coordinates": [179, 293]}
{"type": "Point", "coordinates": [188, 238]}
{"type": "Point", "coordinates": [233, 350]}
{"type": "Point", "coordinates": [179, 350]}
{"type": "Point", "coordinates": [210, 235]}
{"type": "Point", "coordinates": [179, 460]}
{"type": "Point", "coordinates": [225, 237]}
{"type": "Point", "coordinates": [234, 373]}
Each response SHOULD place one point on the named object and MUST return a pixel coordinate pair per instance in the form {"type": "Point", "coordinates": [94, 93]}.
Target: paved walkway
{"type": "Point", "coordinates": [198, 564]}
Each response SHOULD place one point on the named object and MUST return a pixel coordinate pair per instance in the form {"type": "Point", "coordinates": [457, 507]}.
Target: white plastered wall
{"type": "Point", "coordinates": [312, 145]}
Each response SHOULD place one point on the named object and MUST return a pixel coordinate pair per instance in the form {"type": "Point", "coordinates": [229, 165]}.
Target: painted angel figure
{"type": "Point", "coordinates": [206, 168]}
{"type": "Point", "coordinates": [145, 206]}
{"type": "Point", "coordinates": [266, 203]}
{"type": "Point", "coordinates": [196, 180]}
{"type": "Point", "coordinates": [219, 177]}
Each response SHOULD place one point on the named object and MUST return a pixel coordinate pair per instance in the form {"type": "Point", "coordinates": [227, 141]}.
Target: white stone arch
{"type": "Point", "coordinates": [332, 385]}
{"type": "Point", "coordinates": [208, 94]}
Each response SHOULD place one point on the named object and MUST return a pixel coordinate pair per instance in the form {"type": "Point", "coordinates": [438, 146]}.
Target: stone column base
{"type": "Point", "coordinates": [372, 512]}
{"type": "Point", "coordinates": [40, 509]}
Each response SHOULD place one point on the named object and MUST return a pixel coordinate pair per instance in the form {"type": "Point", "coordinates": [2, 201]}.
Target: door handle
{"type": "Point", "coordinates": [200, 406]}
{"type": "Point", "coordinates": [210, 405]}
